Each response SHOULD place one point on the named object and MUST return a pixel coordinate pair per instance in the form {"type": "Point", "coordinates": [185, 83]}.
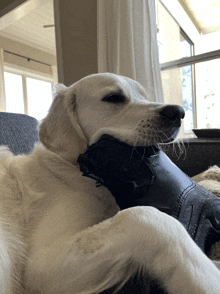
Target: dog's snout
{"type": "Point", "coordinates": [172, 112]}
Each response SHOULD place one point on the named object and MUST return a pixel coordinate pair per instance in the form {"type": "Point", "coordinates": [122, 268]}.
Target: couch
{"type": "Point", "coordinates": [18, 132]}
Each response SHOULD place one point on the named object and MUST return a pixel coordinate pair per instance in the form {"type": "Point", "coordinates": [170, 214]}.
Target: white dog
{"type": "Point", "coordinates": [59, 233]}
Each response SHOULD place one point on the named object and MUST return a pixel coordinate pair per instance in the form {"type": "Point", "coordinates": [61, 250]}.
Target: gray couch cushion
{"type": "Point", "coordinates": [18, 132]}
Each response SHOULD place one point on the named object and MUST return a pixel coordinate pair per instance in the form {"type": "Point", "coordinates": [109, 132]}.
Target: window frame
{"type": "Point", "coordinates": [211, 55]}
{"type": "Point", "coordinates": [24, 73]}
{"type": "Point", "coordinates": [215, 54]}
{"type": "Point", "coordinates": [27, 73]}
{"type": "Point", "coordinates": [192, 60]}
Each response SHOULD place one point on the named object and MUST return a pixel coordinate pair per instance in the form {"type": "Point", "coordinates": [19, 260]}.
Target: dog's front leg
{"type": "Point", "coordinates": [138, 239]}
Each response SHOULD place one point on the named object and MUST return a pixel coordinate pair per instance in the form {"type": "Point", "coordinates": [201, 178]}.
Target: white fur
{"type": "Point", "coordinates": [59, 233]}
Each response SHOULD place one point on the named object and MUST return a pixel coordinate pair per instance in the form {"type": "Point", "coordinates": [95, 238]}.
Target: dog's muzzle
{"type": "Point", "coordinates": [146, 176]}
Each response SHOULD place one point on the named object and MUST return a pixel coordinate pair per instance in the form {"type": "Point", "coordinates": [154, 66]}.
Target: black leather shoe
{"type": "Point", "coordinates": [146, 176]}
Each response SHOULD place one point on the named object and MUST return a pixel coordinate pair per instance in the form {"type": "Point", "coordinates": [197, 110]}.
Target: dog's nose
{"type": "Point", "coordinates": [172, 112]}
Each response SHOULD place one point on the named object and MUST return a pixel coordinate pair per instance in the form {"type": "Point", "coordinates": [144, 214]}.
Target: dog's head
{"type": "Point", "coordinates": [106, 104]}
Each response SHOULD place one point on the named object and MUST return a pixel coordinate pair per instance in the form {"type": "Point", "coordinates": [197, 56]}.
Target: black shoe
{"type": "Point", "coordinates": [146, 176]}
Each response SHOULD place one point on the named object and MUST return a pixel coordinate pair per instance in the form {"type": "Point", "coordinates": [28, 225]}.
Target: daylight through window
{"type": "Point", "coordinates": [189, 71]}
{"type": "Point", "coordinates": [27, 95]}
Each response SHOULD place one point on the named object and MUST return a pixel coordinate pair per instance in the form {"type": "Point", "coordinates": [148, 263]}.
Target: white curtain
{"type": "Point", "coordinates": [127, 43]}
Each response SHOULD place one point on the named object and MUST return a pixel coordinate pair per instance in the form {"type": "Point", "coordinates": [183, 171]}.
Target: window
{"type": "Point", "coordinates": [27, 95]}
{"type": "Point", "coordinates": [189, 73]}
{"type": "Point", "coordinates": [208, 94]}
{"type": "Point", "coordinates": [39, 97]}
{"type": "Point", "coordinates": [186, 50]}
{"type": "Point", "coordinates": [14, 93]}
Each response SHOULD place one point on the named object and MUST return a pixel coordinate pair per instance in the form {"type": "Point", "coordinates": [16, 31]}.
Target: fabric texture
{"type": "Point", "coordinates": [18, 132]}
{"type": "Point", "coordinates": [210, 180]}
{"type": "Point", "coordinates": [127, 43]}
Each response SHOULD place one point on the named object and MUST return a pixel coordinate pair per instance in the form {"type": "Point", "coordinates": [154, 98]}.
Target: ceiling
{"type": "Point", "coordinates": [205, 14]}
{"type": "Point", "coordinates": [25, 23]}
{"type": "Point", "coordinates": [26, 26]}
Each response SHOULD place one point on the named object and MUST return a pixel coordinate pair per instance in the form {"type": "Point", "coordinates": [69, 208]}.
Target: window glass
{"type": "Point", "coordinates": [39, 95]}
{"type": "Point", "coordinates": [168, 36]}
{"type": "Point", "coordinates": [177, 89]}
{"type": "Point", "coordinates": [171, 41]}
{"type": "Point", "coordinates": [207, 43]}
{"type": "Point", "coordinates": [196, 87]}
{"type": "Point", "coordinates": [177, 82]}
{"type": "Point", "coordinates": [178, 86]}
{"type": "Point", "coordinates": [187, 97]}
{"type": "Point", "coordinates": [187, 84]}
{"type": "Point", "coordinates": [208, 94]}
{"type": "Point", "coordinates": [14, 93]}
{"type": "Point", "coordinates": [185, 47]}
{"type": "Point", "coordinates": [172, 89]}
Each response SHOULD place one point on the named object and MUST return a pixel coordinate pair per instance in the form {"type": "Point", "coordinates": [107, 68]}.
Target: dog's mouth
{"type": "Point", "coordinates": [162, 131]}
{"type": "Point", "coordinates": [147, 132]}
{"type": "Point", "coordinates": [140, 137]}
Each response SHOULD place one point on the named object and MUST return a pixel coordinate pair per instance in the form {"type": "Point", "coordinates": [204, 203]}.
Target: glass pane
{"type": "Point", "coordinates": [187, 97]}
{"type": "Point", "coordinates": [185, 47]}
{"type": "Point", "coordinates": [207, 43]}
{"type": "Point", "coordinates": [14, 93]}
{"type": "Point", "coordinates": [208, 94]}
{"type": "Point", "coordinates": [39, 95]}
{"type": "Point", "coordinates": [168, 36]}
{"type": "Point", "coordinates": [177, 88]}
{"type": "Point", "coordinates": [172, 44]}
{"type": "Point", "coordinates": [172, 89]}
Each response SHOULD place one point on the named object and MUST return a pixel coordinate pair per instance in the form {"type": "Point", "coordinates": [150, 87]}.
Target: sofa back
{"type": "Point", "coordinates": [18, 132]}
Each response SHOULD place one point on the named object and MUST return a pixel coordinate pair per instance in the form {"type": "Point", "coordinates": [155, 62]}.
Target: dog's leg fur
{"type": "Point", "coordinates": [12, 259]}
{"type": "Point", "coordinates": [12, 246]}
{"type": "Point", "coordinates": [143, 238]}
{"type": "Point", "coordinates": [6, 262]}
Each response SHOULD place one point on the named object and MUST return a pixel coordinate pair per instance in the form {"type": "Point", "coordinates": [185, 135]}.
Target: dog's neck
{"type": "Point", "coordinates": [69, 187]}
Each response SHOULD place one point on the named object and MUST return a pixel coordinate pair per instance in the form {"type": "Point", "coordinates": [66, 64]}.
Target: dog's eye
{"type": "Point", "coordinates": [115, 98]}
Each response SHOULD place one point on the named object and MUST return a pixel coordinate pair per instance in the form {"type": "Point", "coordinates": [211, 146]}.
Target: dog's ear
{"type": "Point", "coordinates": [60, 131]}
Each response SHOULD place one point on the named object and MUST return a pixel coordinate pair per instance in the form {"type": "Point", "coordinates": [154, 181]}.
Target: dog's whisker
{"type": "Point", "coordinates": [173, 148]}
{"type": "Point", "coordinates": [183, 148]}
{"type": "Point", "coordinates": [159, 132]}
{"type": "Point", "coordinates": [177, 154]}
{"type": "Point", "coordinates": [132, 152]}
{"type": "Point", "coordinates": [134, 146]}
{"type": "Point", "coordinates": [179, 149]}
{"type": "Point", "coordinates": [143, 154]}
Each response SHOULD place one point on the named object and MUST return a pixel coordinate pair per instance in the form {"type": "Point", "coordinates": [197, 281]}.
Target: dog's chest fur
{"type": "Point", "coordinates": [52, 203]}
